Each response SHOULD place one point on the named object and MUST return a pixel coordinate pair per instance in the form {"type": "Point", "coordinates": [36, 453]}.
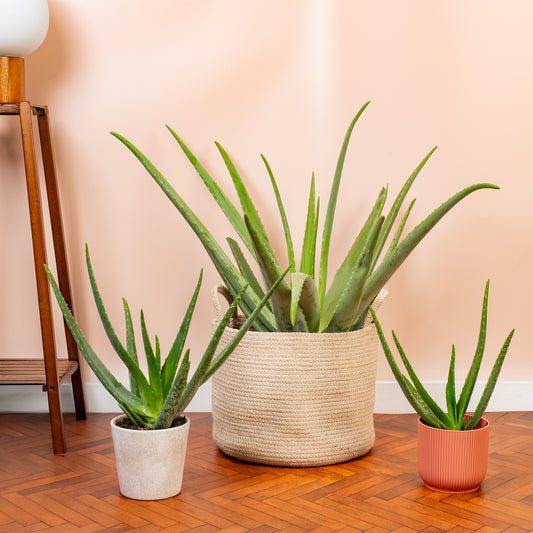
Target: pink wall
{"type": "Point", "coordinates": [284, 79]}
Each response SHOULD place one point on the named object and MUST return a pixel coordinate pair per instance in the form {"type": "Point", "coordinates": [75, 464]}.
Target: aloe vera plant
{"type": "Point", "coordinates": [454, 417]}
{"type": "Point", "coordinates": [156, 401]}
{"type": "Point", "coordinates": [304, 303]}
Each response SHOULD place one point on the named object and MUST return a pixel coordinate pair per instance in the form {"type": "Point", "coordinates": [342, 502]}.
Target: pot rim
{"type": "Point", "coordinates": [485, 426]}
{"type": "Point", "coordinates": [113, 423]}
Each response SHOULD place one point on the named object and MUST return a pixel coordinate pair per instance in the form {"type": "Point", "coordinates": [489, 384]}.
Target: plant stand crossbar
{"type": "Point", "coordinates": [49, 371]}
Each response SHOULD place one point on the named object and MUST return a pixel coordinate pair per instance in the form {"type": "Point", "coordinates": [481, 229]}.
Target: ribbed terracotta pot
{"type": "Point", "coordinates": [149, 462]}
{"type": "Point", "coordinates": [453, 461]}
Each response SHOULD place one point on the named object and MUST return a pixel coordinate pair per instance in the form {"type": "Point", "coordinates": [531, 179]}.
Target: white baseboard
{"type": "Point", "coordinates": [507, 396]}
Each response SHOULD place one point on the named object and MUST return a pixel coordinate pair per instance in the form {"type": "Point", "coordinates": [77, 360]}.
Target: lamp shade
{"type": "Point", "coordinates": [23, 26]}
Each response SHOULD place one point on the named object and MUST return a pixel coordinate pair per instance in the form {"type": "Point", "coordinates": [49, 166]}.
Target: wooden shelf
{"type": "Point", "coordinates": [31, 371]}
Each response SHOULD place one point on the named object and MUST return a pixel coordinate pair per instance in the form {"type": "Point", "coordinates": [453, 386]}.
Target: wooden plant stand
{"type": "Point", "coordinates": [47, 371]}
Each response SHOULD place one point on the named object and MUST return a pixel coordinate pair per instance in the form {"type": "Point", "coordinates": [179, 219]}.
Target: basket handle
{"type": "Point", "coordinates": [236, 320]}
{"type": "Point", "coordinates": [376, 304]}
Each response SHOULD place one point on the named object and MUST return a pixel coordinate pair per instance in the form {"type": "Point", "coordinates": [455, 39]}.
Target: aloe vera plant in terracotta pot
{"type": "Point", "coordinates": [452, 444]}
{"type": "Point", "coordinates": [294, 334]}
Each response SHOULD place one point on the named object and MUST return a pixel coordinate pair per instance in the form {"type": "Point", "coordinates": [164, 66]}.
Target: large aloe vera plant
{"type": "Point", "coordinates": [304, 302]}
{"type": "Point", "coordinates": [154, 401]}
{"type": "Point", "coordinates": [454, 418]}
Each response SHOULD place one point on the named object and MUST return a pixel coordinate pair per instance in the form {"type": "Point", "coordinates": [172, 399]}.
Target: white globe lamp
{"type": "Point", "coordinates": [23, 26]}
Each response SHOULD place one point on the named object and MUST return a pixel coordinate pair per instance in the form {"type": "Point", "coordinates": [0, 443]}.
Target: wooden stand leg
{"type": "Point", "coordinates": [39, 254]}
{"type": "Point", "coordinates": [60, 254]}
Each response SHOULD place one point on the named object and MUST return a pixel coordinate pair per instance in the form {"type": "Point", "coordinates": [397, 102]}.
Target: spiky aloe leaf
{"type": "Point", "coordinates": [154, 367]}
{"type": "Point", "coordinates": [390, 264]}
{"type": "Point", "coordinates": [393, 213]}
{"type": "Point", "coordinates": [307, 264]}
{"type": "Point", "coordinates": [168, 372]}
{"type": "Point", "coordinates": [451, 400]}
{"type": "Point", "coordinates": [281, 297]}
{"type": "Point", "coordinates": [130, 344]}
{"type": "Point", "coordinates": [445, 421]}
{"type": "Point", "coordinates": [244, 267]}
{"type": "Point", "coordinates": [407, 388]}
{"type": "Point", "coordinates": [228, 272]}
{"type": "Point", "coordinates": [226, 352]}
{"type": "Point", "coordinates": [143, 386]}
{"type": "Point", "coordinates": [209, 364]}
{"type": "Point", "coordinates": [330, 212]}
{"type": "Point", "coordinates": [349, 304]}
{"type": "Point", "coordinates": [140, 409]}
{"type": "Point", "coordinates": [228, 208]}
{"type": "Point", "coordinates": [283, 215]}
{"type": "Point", "coordinates": [420, 407]}
{"type": "Point", "coordinates": [170, 410]}
{"type": "Point", "coordinates": [471, 378]}
{"type": "Point", "coordinates": [396, 239]}
{"type": "Point", "coordinates": [346, 270]}
{"type": "Point", "coordinates": [304, 296]}
{"type": "Point", "coordinates": [491, 383]}
{"type": "Point", "coordinates": [246, 201]}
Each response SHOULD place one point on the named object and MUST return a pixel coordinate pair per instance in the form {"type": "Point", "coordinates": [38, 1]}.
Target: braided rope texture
{"type": "Point", "coordinates": [296, 399]}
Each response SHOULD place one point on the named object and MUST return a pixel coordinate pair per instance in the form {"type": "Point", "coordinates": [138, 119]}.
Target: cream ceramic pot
{"type": "Point", "coordinates": [149, 462]}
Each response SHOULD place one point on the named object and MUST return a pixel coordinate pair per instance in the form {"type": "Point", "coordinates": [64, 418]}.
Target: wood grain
{"type": "Point", "coordinates": [380, 492]}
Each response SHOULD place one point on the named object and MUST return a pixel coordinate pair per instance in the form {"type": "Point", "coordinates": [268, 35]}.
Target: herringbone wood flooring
{"type": "Point", "coordinates": [380, 492]}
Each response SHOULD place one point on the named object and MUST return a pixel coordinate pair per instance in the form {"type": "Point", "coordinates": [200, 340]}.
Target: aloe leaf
{"type": "Point", "coordinates": [451, 400]}
{"type": "Point", "coordinates": [304, 296]}
{"type": "Point", "coordinates": [396, 239]}
{"type": "Point", "coordinates": [393, 213]}
{"type": "Point", "coordinates": [121, 394]}
{"type": "Point", "coordinates": [245, 199]}
{"type": "Point", "coordinates": [283, 215]}
{"type": "Point", "coordinates": [330, 212]}
{"type": "Point", "coordinates": [158, 355]}
{"type": "Point", "coordinates": [471, 378]}
{"type": "Point", "coordinates": [420, 407]}
{"type": "Point", "coordinates": [135, 417]}
{"type": "Point", "coordinates": [491, 383]}
{"type": "Point", "coordinates": [154, 369]}
{"type": "Point", "coordinates": [170, 365]}
{"type": "Point", "coordinates": [130, 344]}
{"type": "Point", "coordinates": [225, 353]}
{"type": "Point", "coordinates": [245, 268]}
{"type": "Point", "coordinates": [348, 305]}
{"type": "Point", "coordinates": [281, 297]}
{"type": "Point", "coordinates": [443, 418]}
{"type": "Point", "coordinates": [390, 264]}
{"type": "Point", "coordinates": [229, 273]}
{"type": "Point", "coordinates": [142, 383]}
{"type": "Point", "coordinates": [170, 410]}
{"type": "Point", "coordinates": [408, 390]}
{"type": "Point", "coordinates": [226, 205]}
{"type": "Point", "coordinates": [307, 264]}
{"type": "Point", "coordinates": [207, 365]}
{"type": "Point", "coordinates": [345, 271]}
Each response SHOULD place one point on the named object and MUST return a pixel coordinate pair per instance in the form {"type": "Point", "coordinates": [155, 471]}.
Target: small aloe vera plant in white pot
{"type": "Point", "coordinates": [274, 401]}
{"type": "Point", "coordinates": [452, 444]}
{"type": "Point", "coordinates": [150, 439]}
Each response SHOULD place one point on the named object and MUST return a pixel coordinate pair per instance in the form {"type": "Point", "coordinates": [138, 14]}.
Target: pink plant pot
{"type": "Point", "coordinates": [453, 461]}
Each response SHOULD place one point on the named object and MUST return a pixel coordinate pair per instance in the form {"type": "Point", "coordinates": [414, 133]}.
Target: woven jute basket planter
{"type": "Point", "coordinates": [296, 399]}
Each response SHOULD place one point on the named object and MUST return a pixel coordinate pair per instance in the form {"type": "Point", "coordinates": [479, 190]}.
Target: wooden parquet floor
{"type": "Point", "coordinates": [380, 492]}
